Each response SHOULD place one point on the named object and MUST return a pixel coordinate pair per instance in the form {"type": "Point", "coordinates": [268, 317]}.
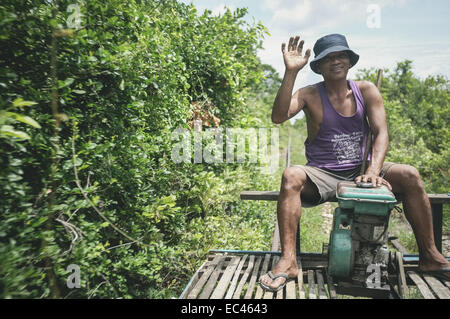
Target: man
{"type": "Point", "coordinates": [335, 111]}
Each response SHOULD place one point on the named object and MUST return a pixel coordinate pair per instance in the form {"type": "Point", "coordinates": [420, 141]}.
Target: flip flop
{"type": "Point", "coordinates": [439, 273]}
{"type": "Point", "coordinates": [273, 277]}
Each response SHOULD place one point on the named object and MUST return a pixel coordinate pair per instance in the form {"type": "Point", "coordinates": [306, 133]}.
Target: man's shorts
{"type": "Point", "coordinates": [326, 180]}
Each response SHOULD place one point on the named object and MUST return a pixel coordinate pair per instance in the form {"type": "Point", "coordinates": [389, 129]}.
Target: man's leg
{"type": "Point", "coordinates": [294, 182]}
{"type": "Point", "coordinates": [406, 180]}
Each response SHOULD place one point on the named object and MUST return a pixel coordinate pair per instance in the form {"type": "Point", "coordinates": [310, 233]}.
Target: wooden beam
{"type": "Point", "coordinates": [394, 241]}
{"type": "Point", "coordinates": [439, 198]}
{"type": "Point", "coordinates": [222, 286]}
{"type": "Point", "coordinates": [301, 290]}
{"type": "Point", "coordinates": [273, 196]}
{"type": "Point", "coordinates": [402, 285]}
{"type": "Point", "coordinates": [311, 285]}
{"type": "Point", "coordinates": [212, 279]}
{"type": "Point", "coordinates": [321, 285]}
{"type": "Point", "coordinates": [269, 294]}
{"type": "Point", "coordinates": [276, 238]}
{"type": "Point", "coordinates": [330, 285]}
{"type": "Point", "coordinates": [194, 281]}
{"type": "Point", "coordinates": [441, 291]}
{"type": "Point", "coordinates": [259, 290]}
{"type": "Point", "coordinates": [237, 292]}
{"type": "Point", "coordinates": [260, 195]}
{"type": "Point", "coordinates": [234, 282]}
{"type": "Point", "coordinates": [436, 210]}
{"type": "Point", "coordinates": [423, 288]}
{"type": "Point", "coordinates": [254, 277]}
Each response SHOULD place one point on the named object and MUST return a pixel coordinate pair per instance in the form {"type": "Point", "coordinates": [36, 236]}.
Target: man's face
{"type": "Point", "coordinates": [335, 65]}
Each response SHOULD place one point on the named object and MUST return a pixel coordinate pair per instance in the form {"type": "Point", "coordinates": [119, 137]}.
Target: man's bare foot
{"type": "Point", "coordinates": [436, 265]}
{"type": "Point", "coordinates": [284, 266]}
{"type": "Point", "coordinates": [442, 273]}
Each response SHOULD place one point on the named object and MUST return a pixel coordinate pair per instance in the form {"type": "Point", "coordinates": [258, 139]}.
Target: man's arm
{"type": "Point", "coordinates": [377, 121]}
{"type": "Point", "coordinates": [285, 105]}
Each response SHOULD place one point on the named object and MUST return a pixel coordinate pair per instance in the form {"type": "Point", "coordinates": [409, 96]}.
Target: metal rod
{"type": "Point", "coordinates": [258, 252]}
{"type": "Point", "coordinates": [406, 257]}
{"type": "Point", "coordinates": [367, 150]}
{"type": "Point", "coordinates": [412, 257]}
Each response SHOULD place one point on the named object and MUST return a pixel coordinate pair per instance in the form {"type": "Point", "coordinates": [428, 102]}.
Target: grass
{"type": "Point", "coordinates": [312, 231]}
{"type": "Point", "coordinates": [400, 228]}
{"type": "Point", "coordinates": [233, 232]}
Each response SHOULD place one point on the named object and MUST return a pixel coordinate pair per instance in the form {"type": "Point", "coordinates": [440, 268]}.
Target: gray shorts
{"type": "Point", "coordinates": [326, 181]}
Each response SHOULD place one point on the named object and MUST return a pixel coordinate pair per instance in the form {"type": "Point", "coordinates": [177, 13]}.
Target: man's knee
{"type": "Point", "coordinates": [410, 173]}
{"type": "Point", "coordinates": [293, 178]}
{"type": "Point", "coordinates": [410, 176]}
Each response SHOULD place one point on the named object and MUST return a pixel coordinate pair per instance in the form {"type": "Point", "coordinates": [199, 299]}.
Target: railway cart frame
{"type": "Point", "coordinates": [233, 274]}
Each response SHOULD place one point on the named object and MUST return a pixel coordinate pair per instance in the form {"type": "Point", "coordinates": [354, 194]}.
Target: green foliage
{"type": "Point", "coordinates": [124, 80]}
{"type": "Point", "coordinates": [7, 117]}
{"type": "Point", "coordinates": [86, 171]}
{"type": "Point", "coordinates": [418, 113]}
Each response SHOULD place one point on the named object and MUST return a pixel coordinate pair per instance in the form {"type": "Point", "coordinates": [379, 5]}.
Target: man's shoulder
{"type": "Point", "coordinates": [370, 93]}
{"type": "Point", "coordinates": [365, 85]}
{"type": "Point", "coordinates": [309, 94]}
{"type": "Point", "coordinates": [309, 90]}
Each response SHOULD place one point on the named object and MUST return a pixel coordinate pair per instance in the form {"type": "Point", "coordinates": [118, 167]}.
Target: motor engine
{"type": "Point", "coordinates": [357, 247]}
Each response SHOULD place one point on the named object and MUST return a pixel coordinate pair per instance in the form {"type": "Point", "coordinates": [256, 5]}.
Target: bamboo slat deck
{"type": "Point", "coordinates": [235, 276]}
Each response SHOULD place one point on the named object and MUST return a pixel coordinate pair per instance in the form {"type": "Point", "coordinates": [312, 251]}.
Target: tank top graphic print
{"type": "Point", "coordinates": [340, 142]}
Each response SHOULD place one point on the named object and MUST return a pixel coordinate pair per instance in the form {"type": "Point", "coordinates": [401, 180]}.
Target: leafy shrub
{"type": "Point", "coordinates": [95, 185]}
{"type": "Point", "coordinates": [417, 112]}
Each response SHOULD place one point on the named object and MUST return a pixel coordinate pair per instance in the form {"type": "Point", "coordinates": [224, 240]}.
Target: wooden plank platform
{"type": "Point", "coordinates": [235, 276]}
{"type": "Point", "coordinates": [430, 287]}
{"type": "Point", "coordinates": [227, 276]}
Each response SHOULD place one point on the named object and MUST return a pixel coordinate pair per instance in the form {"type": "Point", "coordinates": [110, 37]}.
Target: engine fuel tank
{"type": "Point", "coordinates": [361, 220]}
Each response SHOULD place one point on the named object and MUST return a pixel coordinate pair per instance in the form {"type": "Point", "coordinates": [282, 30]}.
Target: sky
{"type": "Point", "coordinates": [382, 32]}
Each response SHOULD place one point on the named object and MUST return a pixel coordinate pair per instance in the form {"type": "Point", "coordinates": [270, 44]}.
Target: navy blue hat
{"type": "Point", "coordinates": [331, 43]}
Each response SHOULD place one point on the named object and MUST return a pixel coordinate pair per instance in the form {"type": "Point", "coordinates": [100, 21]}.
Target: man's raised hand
{"type": "Point", "coordinates": [293, 59]}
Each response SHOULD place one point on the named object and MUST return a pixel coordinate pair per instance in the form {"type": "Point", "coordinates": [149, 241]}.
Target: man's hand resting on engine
{"type": "Point", "coordinates": [376, 180]}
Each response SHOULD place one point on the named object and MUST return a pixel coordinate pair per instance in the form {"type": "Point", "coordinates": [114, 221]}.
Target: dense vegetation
{"type": "Point", "coordinates": [417, 111]}
{"type": "Point", "coordinates": [93, 183]}
{"type": "Point", "coordinates": [86, 121]}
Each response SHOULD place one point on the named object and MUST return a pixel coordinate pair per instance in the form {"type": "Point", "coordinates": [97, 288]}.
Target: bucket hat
{"type": "Point", "coordinates": [328, 44]}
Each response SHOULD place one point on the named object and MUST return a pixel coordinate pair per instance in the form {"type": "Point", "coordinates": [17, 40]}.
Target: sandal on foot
{"type": "Point", "coordinates": [273, 277]}
{"type": "Point", "coordinates": [443, 273]}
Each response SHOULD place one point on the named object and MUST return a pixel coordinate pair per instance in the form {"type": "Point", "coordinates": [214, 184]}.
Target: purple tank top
{"type": "Point", "coordinates": [340, 142]}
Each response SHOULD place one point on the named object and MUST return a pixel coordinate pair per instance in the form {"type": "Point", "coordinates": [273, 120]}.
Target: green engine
{"type": "Point", "coordinates": [359, 232]}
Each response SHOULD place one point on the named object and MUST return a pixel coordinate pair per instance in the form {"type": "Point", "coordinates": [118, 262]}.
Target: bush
{"type": "Point", "coordinates": [95, 185]}
{"type": "Point", "coordinates": [417, 112]}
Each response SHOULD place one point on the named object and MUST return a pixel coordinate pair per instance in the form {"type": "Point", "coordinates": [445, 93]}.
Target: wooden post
{"type": "Point", "coordinates": [369, 136]}
{"type": "Point", "coordinates": [436, 210]}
